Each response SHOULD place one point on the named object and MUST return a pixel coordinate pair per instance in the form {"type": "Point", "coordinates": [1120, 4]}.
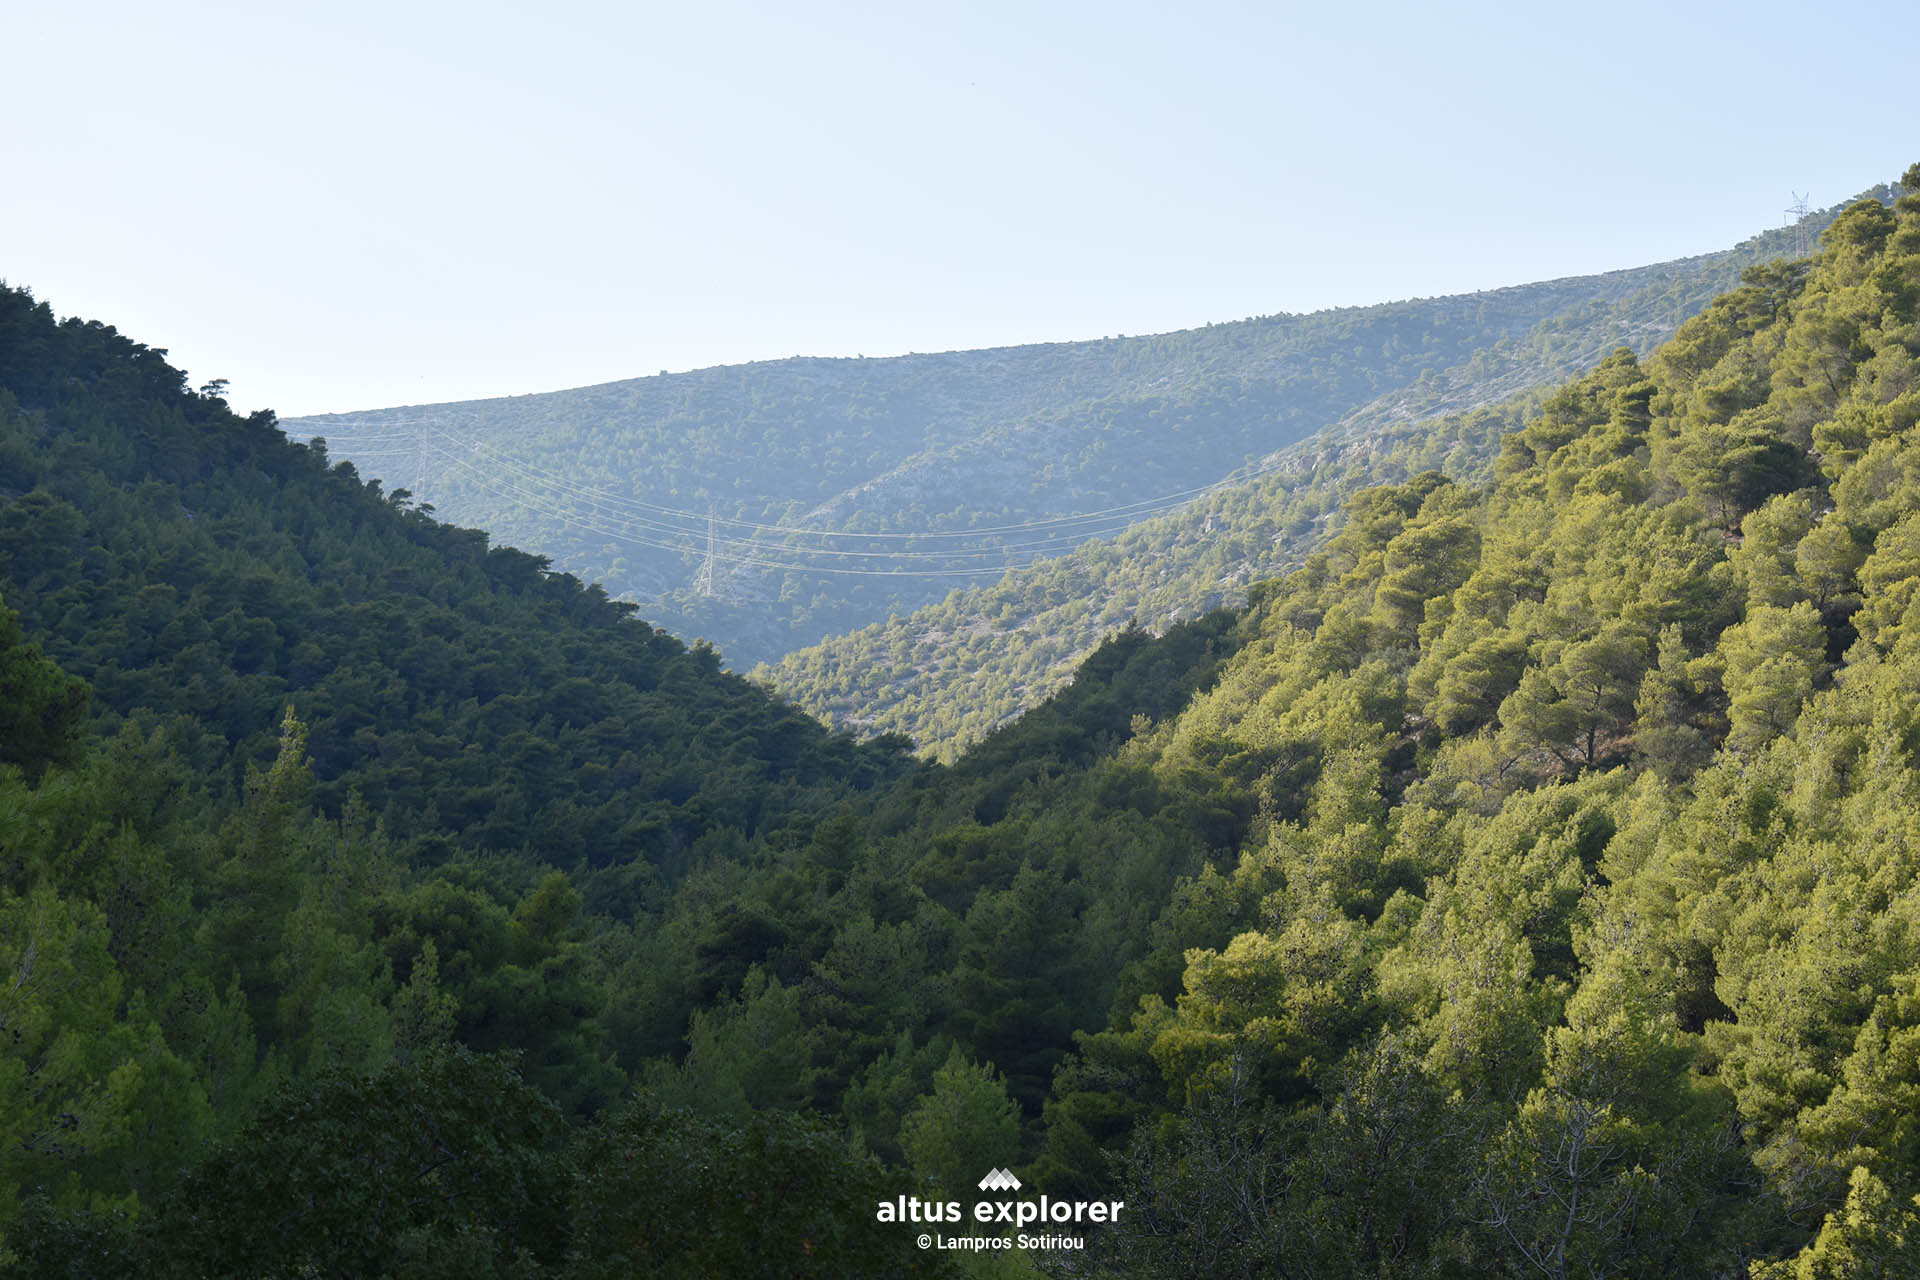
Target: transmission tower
{"type": "Point", "coordinates": [704, 581]}
{"type": "Point", "coordinates": [1797, 215]}
{"type": "Point", "coordinates": [420, 462]}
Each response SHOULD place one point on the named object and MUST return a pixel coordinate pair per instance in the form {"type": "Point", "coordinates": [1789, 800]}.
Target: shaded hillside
{"type": "Point", "coordinates": [945, 674]}
{"type": "Point", "coordinates": [199, 568]}
{"type": "Point", "coordinates": [837, 492]}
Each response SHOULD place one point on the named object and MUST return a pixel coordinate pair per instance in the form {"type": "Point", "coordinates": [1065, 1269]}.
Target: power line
{"type": "Point", "coordinates": [512, 493]}
{"type": "Point", "coordinates": [608, 510]}
{"type": "Point", "coordinates": [748, 553]}
{"type": "Point", "coordinates": [1136, 509]}
{"type": "Point", "coordinates": [647, 531]}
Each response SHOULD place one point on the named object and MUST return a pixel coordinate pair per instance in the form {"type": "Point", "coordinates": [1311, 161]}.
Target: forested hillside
{"type": "Point", "coordinates": [1524, 885]}
{"type": "Point", "coordinates": [186, 562]}
{"type": "Point", "coordinates": [835, 493]}
{"type": "Point", "coordinates": [946, 673]}
{"type": "Point", "coordinates": [309, 803]}
{"type": "Point", "coordinates": [1571, 933]}
{"type": "Point", "coordinates": [1542, 885]}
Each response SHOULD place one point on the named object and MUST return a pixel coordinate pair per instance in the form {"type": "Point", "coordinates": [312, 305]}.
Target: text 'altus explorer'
{"type": "Point", "coordinates": [1020, 1213]}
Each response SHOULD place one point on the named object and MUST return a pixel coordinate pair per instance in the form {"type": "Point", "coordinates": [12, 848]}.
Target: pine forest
{"type": "Point", "coordinates": [1484, 842]}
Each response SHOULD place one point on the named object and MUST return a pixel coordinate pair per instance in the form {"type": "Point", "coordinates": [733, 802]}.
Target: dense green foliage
{"type": "Point", "coordinates": [1573, 936]}
{"type": "Point", "coordinates": [845, 491]}
{"type": "Point", "coordinates": [185, 562]}
{"type": "Point", "coordinates": [945, 674]}
{"type": "Point", "coordinates": [354, 788]}
{"type": "Point", "coordinates": [1523, 885]}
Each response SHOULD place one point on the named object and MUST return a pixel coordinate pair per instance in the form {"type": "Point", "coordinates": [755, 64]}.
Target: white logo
{"type": "Point", "coordinates": [999, 1180]}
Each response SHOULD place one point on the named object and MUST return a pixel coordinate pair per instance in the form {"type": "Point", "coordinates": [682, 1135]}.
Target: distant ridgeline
{"type": "Point", "coordinates": [1525, 884]}
{"type": "Point", "coordinates": [946, 673]}
{"type": "Point", "coordinates": [768, 506]}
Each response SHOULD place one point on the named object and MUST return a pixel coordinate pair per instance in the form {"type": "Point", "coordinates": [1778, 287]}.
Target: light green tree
{"type": "Point", "coordinates": [964, 1127]}
{"type": "Point", "coordinates": [1772, 661]}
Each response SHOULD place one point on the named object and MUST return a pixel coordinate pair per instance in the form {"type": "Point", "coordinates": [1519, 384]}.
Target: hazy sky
{"type": "Point", "coordinates": [352, 205]}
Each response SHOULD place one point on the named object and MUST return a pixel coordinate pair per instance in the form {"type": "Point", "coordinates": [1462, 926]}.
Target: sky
{"type": "Point", "coordinates": [354, 205]}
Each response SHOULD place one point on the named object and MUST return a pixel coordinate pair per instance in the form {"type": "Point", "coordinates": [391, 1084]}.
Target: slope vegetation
{"type": "Point", "coordinates": [1523, 885]}
{"type": "Point", "coordinates": [945, 674]}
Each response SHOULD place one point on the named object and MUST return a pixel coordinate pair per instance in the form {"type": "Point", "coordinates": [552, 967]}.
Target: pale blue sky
{"type": "Point", "coordinates": [352, 205]}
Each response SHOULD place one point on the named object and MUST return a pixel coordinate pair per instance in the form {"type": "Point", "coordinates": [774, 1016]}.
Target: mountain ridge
{"type": "Point", "coordinates": [949, 672]}
{"type": "Point", "coordinates": [903, 465]}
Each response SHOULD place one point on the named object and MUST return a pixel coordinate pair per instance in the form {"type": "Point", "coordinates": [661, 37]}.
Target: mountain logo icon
{"type": "Point", "coordinates": [999, 1180]}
